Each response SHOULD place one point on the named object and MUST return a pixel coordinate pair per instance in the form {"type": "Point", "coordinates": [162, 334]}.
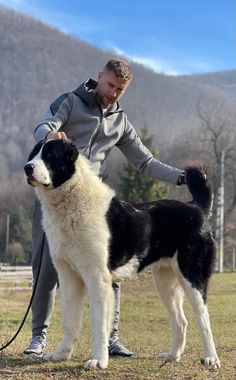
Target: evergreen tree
{"type": "Point", "coordinates": [134, 186]}
{"type": "Point", "coordinates": [20, 231]}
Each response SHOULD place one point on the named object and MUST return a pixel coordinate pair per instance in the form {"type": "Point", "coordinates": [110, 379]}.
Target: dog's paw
{"type": "Point", "coordinates": [211, 361]}
{"type": "Point", "coordinates": [95, 363]}
{"type": "Point", "coordinates": [56, 356]}
{"type": "Point", "coordinates": [169, 357]}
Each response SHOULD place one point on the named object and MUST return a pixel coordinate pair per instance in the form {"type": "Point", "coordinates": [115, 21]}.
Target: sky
{"type": "Point", "coordinates": [174, 37]}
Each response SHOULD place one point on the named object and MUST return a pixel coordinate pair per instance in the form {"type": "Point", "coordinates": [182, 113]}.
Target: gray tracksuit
{"type": "Point", "coordinates": [80, 115]}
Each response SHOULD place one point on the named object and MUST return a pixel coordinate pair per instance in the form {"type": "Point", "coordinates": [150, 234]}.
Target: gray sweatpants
{"type": "Point", "coordinates": [44, 298]}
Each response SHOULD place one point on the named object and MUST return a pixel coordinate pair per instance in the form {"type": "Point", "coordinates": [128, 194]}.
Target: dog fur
{"type": "Point", "coordinates": [94, 239]}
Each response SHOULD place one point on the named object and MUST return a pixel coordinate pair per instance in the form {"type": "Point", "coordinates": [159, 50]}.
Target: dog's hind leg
{"type": "Point", "coordinates": [172, 296]}
{"type": "Point", "coordinates": [101, 299]}
{"type": "Point", "coordinates": [200, 310]}
{"type": "Point", "coordinates": [72, 291]}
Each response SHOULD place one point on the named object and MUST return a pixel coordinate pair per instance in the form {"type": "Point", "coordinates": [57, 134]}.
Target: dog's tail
{"type": "Point", "coordinates": [196, 180]}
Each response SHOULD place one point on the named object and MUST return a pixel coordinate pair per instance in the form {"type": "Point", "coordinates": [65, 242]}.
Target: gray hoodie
{"type": "Point", "coordinates": [80, 115]}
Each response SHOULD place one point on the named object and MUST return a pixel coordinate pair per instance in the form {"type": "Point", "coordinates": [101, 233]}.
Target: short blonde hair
{"type": "Point", "coordinates": [120, 68]}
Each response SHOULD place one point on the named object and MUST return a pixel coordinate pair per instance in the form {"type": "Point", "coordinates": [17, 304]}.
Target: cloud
{"type": "Point", "coordinates": [155, 64]}
{"type": "Point", "coordinates": [182, 65]}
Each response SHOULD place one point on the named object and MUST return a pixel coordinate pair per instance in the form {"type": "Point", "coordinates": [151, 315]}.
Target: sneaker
{"type": "Point", "coordinates": [36, 346]}
{"type": "Point", "coordinates": [117, 349]}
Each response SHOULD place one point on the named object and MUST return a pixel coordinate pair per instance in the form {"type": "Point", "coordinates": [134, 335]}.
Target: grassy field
{"type": "Point", "coordinates": [144, 329]}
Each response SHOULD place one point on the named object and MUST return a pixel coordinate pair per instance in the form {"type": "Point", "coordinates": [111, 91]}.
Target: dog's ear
{"type": "Point", "coordinates": [36, 149]}
{"type": "Point", "coordinates": [72, 152]}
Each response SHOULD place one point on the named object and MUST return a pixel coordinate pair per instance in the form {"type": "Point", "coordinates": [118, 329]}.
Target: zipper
{"type": "Point", "coordinates": [94, 136]}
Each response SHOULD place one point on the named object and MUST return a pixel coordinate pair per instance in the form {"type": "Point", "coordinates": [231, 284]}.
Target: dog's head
{"type": "Point", "coordinates": [51, 163]}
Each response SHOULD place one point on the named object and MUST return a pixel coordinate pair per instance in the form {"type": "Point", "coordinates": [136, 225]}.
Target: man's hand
{"type": "Point", "coordinates": [56, 136]}
{"type": "Point", "coordinates": [181, 180]}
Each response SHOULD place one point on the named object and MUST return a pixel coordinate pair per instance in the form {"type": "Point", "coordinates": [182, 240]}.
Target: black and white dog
{"type": "Point", "coordinates": [94, 239]}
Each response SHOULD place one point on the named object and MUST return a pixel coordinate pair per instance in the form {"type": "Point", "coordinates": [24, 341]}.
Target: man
{"type": "Point", "coordinates": [92, 118]}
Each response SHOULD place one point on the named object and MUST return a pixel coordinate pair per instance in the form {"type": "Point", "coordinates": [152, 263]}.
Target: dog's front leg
{"type": "Point", "coordinates": [101, 309]}
{"type": "Point", "coordinates": [72, 290]}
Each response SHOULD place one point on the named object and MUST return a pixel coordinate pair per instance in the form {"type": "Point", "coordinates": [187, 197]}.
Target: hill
{"type": "Point", "coordinates": [38, 63]}
{"type": "Point", "coordinates": [223, 80]}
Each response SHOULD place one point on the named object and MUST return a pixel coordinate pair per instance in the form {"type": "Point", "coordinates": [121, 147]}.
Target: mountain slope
{"type": "Point", "coordinates": [38, 63]}
{"type": "Point", "coordinates": [223, 80]}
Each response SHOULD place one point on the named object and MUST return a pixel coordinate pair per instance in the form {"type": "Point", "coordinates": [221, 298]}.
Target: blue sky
{"type": "Point", "coordinates": [171, 36]}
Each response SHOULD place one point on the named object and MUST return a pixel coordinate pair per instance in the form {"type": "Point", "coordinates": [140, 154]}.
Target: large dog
{"type": "Point", "coordinates": [94, 239]}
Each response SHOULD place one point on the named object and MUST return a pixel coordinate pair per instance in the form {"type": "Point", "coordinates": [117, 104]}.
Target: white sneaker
{"type": "Point", "coordinates": [36, 346]}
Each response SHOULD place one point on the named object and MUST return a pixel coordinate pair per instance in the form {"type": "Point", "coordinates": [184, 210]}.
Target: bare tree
{"type": "Point", "coordinates": [217, 135]}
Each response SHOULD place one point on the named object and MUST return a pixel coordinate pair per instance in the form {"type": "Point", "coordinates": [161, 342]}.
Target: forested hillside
{"type": "Point", "coordinates": [224, 80]}
{"type": "Point", "coordinates": [38, 63]}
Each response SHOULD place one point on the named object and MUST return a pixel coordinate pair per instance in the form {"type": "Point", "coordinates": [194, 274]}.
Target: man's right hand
{"type": "Point", "coordinates": [56, 136]}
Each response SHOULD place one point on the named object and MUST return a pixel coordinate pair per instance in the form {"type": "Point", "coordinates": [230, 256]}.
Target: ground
{"type": "Point", "coordinates": [144, 329]}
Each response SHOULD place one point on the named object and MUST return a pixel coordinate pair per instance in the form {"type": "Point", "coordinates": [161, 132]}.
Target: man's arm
{"type": "Point", "coordinates": [134, 150]}
{"type": "Point", "coordinates": [56, 116]}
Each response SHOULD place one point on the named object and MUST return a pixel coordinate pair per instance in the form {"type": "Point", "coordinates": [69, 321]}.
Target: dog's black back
{"type": "Point", "coordinates": [159, 230]}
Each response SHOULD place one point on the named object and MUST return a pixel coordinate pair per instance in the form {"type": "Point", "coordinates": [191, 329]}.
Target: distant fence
{"type": "Point", "coordinates": [15, 273]}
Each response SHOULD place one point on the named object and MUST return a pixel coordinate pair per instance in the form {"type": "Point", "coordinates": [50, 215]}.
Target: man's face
{"type": "Point", "coordinates": [110, 88]}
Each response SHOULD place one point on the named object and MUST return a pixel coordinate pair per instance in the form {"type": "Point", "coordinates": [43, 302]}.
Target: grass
{"type": "Point", "coordinates": [144, 329]}
{"type": "Point", "coordinates": [13, 284]}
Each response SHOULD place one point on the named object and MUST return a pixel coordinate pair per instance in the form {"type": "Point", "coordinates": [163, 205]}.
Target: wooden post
{"type": "Point", "coordinates": [7, 234]}
{"type": "Point", "coordinates": [233, 259]}
{"type": "Point", "coordinates": [220, 218]}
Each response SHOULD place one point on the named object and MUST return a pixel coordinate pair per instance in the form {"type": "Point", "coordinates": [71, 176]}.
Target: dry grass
{"type": "Point", "coordinates": [144, 328]}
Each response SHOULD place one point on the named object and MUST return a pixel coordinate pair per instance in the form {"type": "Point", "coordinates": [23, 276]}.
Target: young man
{"type": "Point", "coordinates": [92, 118]}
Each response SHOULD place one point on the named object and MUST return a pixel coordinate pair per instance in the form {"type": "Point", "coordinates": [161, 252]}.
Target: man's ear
{"type": "Point", "coordinates": [100, 75]}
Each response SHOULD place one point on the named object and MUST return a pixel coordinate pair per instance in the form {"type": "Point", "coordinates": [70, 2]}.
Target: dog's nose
{"type": "Point", "coordinates": [29, 168]}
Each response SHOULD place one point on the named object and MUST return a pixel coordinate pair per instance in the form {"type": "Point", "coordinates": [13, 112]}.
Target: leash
{"type": "Point", "coordinates": [31, 300]}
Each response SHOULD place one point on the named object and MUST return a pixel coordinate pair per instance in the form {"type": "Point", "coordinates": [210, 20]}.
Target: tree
{"type": "Point", "coordinates": [218, 135]}
{"type": "Point", "coordinates": [20, 229]}
{"type": "Point", "coordinates": [15, 254]}
{"type": "Point", "coordinates": [134, 186]}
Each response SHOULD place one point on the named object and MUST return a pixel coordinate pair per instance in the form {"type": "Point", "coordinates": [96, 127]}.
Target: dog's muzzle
{"type": "Point", "coordinates": [29, 170]}
{"type": "Point", "coordinates": [33, 179]}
